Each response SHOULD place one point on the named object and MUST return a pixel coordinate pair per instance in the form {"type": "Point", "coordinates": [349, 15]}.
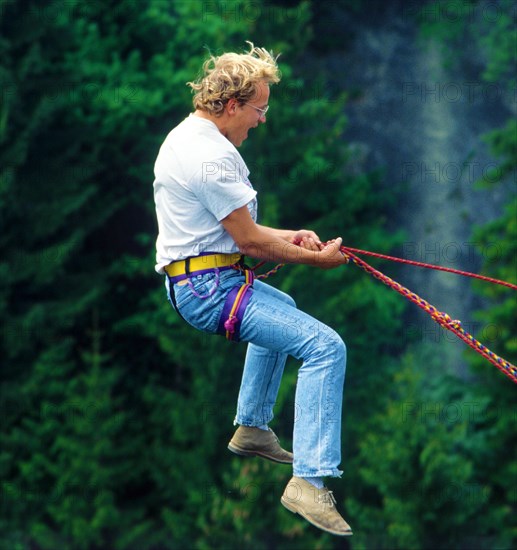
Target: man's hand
{"type": "Point", "coordinates": [307, 239]}
{"type": "Point", "coordinates": [330, 255]}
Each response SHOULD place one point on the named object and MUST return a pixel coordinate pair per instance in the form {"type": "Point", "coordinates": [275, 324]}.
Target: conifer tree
{"type": "Point", "coordinates": [116, 415]}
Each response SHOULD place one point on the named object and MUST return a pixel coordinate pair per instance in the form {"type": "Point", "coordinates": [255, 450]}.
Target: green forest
{"type": "Point", "coordinates": [115, 413]}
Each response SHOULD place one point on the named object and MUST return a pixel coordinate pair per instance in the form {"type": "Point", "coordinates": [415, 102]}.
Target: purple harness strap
{"type": "Point", "coordinates": [234, 308]}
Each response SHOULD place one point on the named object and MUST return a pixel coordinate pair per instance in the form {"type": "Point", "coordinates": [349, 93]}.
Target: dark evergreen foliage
{"type": "Point", "coordinates": [115, 414]}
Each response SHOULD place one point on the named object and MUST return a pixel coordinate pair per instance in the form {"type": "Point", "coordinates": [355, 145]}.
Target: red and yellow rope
{"type": "Point", "coordinates": [443, 319]}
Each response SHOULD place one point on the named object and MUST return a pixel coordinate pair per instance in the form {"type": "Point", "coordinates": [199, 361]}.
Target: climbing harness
{"type": "Point", "coordinates": [443, 319]}
{"type": "Point", "coordinates": [198, 265]}
{"type": "Point", "coordinates": [235, 305]}
{"type": "Point", "coordinates": [236, 300]}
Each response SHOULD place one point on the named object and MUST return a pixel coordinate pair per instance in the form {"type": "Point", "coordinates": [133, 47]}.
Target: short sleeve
{"type": "Point", "coordinates": [222, 186]}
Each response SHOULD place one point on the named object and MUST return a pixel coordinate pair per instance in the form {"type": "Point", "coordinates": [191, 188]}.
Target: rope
{"type": "Point", "coordinates": [270, 272]}
{"type": "Point", "coordinates": [443, 319]}
{"type": "Point", "coordinates": [429, 266]}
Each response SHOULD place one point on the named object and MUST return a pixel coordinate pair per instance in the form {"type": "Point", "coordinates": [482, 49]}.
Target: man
{"type": "Point", "coordinates": [206, 209]}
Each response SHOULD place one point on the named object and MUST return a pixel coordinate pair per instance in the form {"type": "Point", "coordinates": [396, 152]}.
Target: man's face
{"type": "Point", "coordinates": [247, 116]}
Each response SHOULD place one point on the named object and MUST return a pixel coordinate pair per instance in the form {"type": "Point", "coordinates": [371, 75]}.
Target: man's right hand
{"type": "Point", "coordinates": [330, 255]}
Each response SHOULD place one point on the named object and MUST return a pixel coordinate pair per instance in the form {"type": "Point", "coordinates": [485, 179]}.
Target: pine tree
{"type": "Point", "coordinates": [117, 414]}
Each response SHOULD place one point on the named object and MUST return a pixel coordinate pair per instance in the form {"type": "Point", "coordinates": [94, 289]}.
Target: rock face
{"type": "Point", "coordinates": [421, 121]}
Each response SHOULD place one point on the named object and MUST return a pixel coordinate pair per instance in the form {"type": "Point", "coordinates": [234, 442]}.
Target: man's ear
{"type": "Point", "coordinates": [231, 106]}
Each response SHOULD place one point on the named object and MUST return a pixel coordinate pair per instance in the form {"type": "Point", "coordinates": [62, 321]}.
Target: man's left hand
{"type": "Point", "coordinates": [307, 239]}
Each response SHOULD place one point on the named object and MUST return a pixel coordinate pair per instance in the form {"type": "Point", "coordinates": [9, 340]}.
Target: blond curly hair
{"type": "Point", "coordinates": [233, 75]}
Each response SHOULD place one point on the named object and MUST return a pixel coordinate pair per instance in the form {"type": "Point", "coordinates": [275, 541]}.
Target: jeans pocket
{"type": "Point", "coordinates": [198, 301]}
{"type": "Point", "coordinates": [198, 287]}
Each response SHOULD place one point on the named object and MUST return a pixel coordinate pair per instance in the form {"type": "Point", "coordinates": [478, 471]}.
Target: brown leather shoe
{"type": "Point", "coordinates": [250, 441]}
{"type": "Point", "coordinates": [317, 506]}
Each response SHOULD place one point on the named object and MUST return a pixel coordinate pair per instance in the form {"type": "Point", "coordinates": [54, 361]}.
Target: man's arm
{"type": "Point", "coordinates": [291, 236]}
{"type": "Point", "coordinates": [276, 245]}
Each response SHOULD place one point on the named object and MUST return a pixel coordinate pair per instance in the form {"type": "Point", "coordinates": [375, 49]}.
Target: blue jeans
{"type": "Point", "coordinates": [274, 328]}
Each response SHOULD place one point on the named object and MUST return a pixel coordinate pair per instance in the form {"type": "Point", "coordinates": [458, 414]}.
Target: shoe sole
{"type": "Point", "coordinates": [295, 510]}
{"type": "Point", "coordinates": [256, 453]}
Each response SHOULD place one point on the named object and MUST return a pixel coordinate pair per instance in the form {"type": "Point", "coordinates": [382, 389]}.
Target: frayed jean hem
{"type": "Point", "coordinates": [319, 473]}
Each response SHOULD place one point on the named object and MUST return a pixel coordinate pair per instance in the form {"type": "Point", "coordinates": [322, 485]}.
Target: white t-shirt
{"type": "Point", "coordinates": [200, 178]}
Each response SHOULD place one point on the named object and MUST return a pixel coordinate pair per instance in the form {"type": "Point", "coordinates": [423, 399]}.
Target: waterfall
{"type": "Point", "coordinates": [420, 121]}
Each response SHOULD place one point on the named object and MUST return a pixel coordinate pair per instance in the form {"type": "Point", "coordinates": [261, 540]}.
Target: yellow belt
{"type": "Point", "coordinates": [200, 263]}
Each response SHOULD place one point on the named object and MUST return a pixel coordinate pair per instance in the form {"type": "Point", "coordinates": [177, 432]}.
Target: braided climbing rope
{"type": "Point", "coordinates": [443, 319]}
{"type": "Point", "coordinates": [348, 249]}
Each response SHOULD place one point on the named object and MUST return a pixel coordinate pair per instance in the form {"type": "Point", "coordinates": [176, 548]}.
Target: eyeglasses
{"type": "Point", "coordinates": [258, 109]}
